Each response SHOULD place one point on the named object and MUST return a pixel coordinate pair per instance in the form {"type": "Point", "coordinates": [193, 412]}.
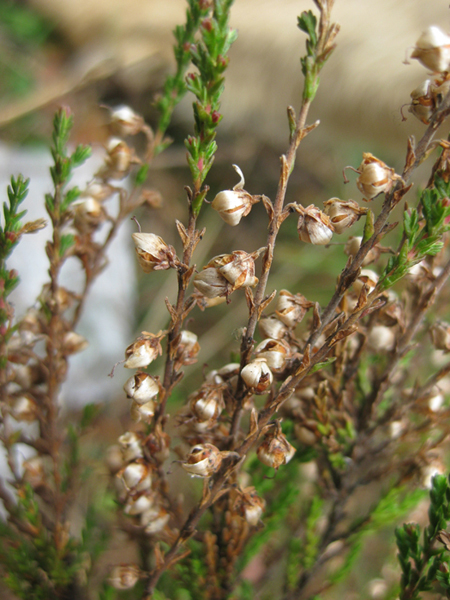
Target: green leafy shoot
{"type": "Point", "coordinates": [422, 232]}
{"type": "Point", "coordinates": [209, 55]}
{"type": "Point", "coordinates": [425, 564]}
{"type": "Point", "coordinates": [175, 85]}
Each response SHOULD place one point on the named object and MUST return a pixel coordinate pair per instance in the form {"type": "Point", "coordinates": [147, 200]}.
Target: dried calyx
{"type": "Point", "coordinates": [275, 449]}
{"type": "Point", "coordinates": [143, 350]}
{"type": "Point", "coordinates": [427, 97]}
{"type": "Point", "coordinates": [374, 177]}
{"type": "Point", "coordinates": [203, 460]}
{"type": "Point", "coordinates": [343, 213]}
{"type": "Point", "coordinates": [153, 253]}
{"type": "Point", "coordinates": [432, 50]}
{"type": "Point", "coordinates": [292, 308]}
{"type": "Point", "coordinates": [226, 273]}
{"type": "Point", "coordinates": [234, 204]}
{"type": "Point", "coordinates": [314, 226]}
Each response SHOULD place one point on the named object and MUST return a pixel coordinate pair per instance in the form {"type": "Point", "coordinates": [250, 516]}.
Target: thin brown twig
{"type": "Point", "coordinates": [350, 273]}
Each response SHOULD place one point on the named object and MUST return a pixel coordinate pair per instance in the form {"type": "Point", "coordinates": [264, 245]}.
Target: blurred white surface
{"type": "Point", "coordinates": [107, 319]}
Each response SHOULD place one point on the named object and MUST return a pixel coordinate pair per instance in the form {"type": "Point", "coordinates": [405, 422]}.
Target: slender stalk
{"type": "Point", "coordinates": [350, 273]}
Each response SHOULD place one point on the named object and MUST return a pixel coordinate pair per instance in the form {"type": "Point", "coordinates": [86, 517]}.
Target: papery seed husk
{"type": "Point", "coordinates": [124, 577]}
{"type": "Point", "coordinates": [436, 401]}
{"type": "Point", "coordinates": [34, 471]}
{"type": "Point", "coordinates": [291, 309]}
{"type": "Point", "coordinates": [366, 277]}
{"type": "Point", "coordinates": [155, 523]}
{"type": "Point", "coordinates": [203, 460]}
{"type": "Point", "coordinates": [381, 338]}
{"type": "Point", "coordinates": [232, 205]}
{"type": "Point", "coordinates": [343, 214]}
{"type": "Point", "coordinates": [143, 351]}
{"type": "Point", "coordinates": [275, 353]}
{"type": "Point", "coordinates": [131, 444]}
{"type": "Point", "coordinates": [314, 226]}
{"type": "Point", "coordinates": [432, 50]}
{"type": "Point", "coordinates": [238, 268]}
{"type": "Point", "coordinates": [152, 252]}
{"type": "Point", "coordinates": [136, 476]}
{"type": "Point", "coordinates": [142, 412]}
{"type": "Point", "coordinates": [275, 451]}
{"type": "Point", "coordinates": [211, 283]}
{"type": "Point", "coordinates": [270, 326]}
{"type": "Point", "coordinates": [114, 458]}
{"type": "Point", "coordinates": [124, 121]}
{"type": "Point", "coordinates": [375, 176]}
{"type": "Point", "coordinates": [141, 387]}
{"type": "Point", "coordinates": [353, 245]}
{"type": "Point", "coordinates": [132, 452]}
{"type": "Point", "coordinates": [257, 375]}
{"type": "Point", "coordinates": [207, 403]}
{"type": "Point", "coordinates": [422, 102]}
{"type": "Point", "coordinates": [24, 409]}
{"type": "Point", "coordinates": [440, 336]}
{"type": "Point", "coordinates": [74, 342]}
{"type": "Point", "coordinates": [138, 504]}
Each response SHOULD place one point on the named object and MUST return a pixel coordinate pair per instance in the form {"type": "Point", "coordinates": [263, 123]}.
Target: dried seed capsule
{"type": "Point", "coordinates": [142, 412]}
{"type": "Point", "coordinates": [207, 403]}
{"type": "Point", "coordinates": [139, 503]}
{"type": "Point", "coordinates": [203, 460]}
{"type": "Point", "coordinates": [353, 245]}
{"type": "Point", "coordinates": [119, 159]}
{"type": "Point", "coordinates": [25, 409]}
{"type": "Point", "coordinates": [343, 213]}
{"type": "Point", "coordinates": [257, 375]}
{"type": "Point", "coordinates": [74, 342]}
{"type": "Point", "coordinates": [432, 50]}
{"type": "Point", "coordinates": [422, 102]}
{"type": "Point", "coordinates": [238, 268]}
{"type": "Point", "coordinates": [187, 348]}
{"type": "Point", "coordinates": [270, 326]}
{"type": "Point", "coordinates": [314, 226]}
{"type": "Point", "coordinates": [251, 505]}
{"type": "Point", "coordinates": [366, 277]}
{"type": "Point", "coordinates": [124, 121]}
{"type": "Point", "coordinates": [153, 253]}
{"type": "Point", "coordinates": [375, 177]}
{"type": "Point", "coordinates": [158, 444]}
{"type": "Point", "coordinates": [136, 476]}
{"type": "Point", "coordinates": [143, 351]}
{"type": "Point", "coordinates": [440, 336]}
{"type": "Point", "coordinates": [34, 471]}
{"type": "Point", "coordinates": [141, 387]}
{"type": "Point", "coordinates": [114, 458]}
{"type": "Point", "coordinates": [88, 214]}
{"type": "Point", "coordinates": [99, 190]}
{"type": "Point", "coordinates": [291, 309]}
{"type": "Point", "coordinates": [211, 283]}
{"type": "Point", "coordinates": [381, 338]}
{"type": "Point", "coordinates": [436, 400]}
{"type": "Point", "coordinates": [274, 352]}
{"type": "Point", "coordinates": [275, 450]}
{"type": "Point", "coordinates": [131, 444]}
{"type": "Point", "coordinates": [124, 577]}
{"type": "Point", "coordinates": [155, 520]}
{"type": "Point", "coordinates": [234, 204]}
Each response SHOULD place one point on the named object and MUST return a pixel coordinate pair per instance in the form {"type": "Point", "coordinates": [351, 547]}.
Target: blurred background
{"type": "Point", "coordinates": [87, 54]}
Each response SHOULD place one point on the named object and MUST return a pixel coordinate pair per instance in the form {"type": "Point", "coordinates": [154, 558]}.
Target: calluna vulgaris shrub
{"type": "Point", "coordinates": [327, 424]}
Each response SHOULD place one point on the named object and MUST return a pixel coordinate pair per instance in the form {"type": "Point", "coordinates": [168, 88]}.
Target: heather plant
{"type": "Point", "coordinates": [327, 424]}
